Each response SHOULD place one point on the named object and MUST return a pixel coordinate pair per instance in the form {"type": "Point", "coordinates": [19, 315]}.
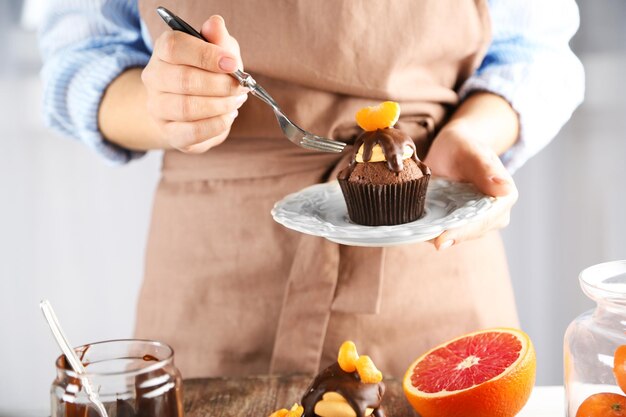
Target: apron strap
{"type": "Point", "coordinates": [306, 307]}
{"type": "Point", "coordinates": [361, 280]}
{"type": "Point", "coordinates": [324, 277]}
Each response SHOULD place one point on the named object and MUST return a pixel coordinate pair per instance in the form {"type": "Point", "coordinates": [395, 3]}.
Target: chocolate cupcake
{"type": "Point", "coordinates": [385, 183]}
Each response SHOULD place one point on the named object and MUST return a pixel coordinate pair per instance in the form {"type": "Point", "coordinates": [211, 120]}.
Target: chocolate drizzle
{"type": "Point", "coordinates": [359, 395]}
{"type": "Point", "coordinates": [392, 142]}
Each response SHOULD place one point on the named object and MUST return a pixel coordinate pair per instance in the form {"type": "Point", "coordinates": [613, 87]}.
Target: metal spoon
{"type": "Point", "coordinates": [70, 354]}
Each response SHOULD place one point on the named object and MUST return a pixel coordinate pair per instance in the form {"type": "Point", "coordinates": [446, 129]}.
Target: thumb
{"type": "Point", "coordinates": [485, 170]}
{"type": "Point", "coordinates": [214, 30]}
{"type": "Point", "coordinates": [488, 174]}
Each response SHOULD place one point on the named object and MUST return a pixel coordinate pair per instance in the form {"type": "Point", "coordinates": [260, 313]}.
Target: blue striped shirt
{"type": "Point", "coordinates": [86, 44]}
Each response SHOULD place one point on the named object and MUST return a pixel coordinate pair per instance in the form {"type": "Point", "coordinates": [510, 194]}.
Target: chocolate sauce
{"type": "Point", "coordinates": [167, 404]}
{"type": "Point", "coordinates": [392, 142]}
{"type": "Point", "coordinates": [359, 395]}
{"type": "Point", "coordinates": [124, 409]}
{"type": "Point", "coordinates": [169, 401]}
{"type": "Point", "coordinates": [75, 409]}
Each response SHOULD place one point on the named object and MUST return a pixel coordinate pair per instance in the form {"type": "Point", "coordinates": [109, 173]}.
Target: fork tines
{"type": "Point", "coordinates": [322, 144]}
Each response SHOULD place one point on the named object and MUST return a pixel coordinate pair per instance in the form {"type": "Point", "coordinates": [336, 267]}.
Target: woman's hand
{"type": "Point", "coordinates": [466, 149]}
{"type": "Point", "coordinates": [190, 95]}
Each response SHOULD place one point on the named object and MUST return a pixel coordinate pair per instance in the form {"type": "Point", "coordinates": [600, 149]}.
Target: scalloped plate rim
{"type": "Point", "coordinates": [289, 212]}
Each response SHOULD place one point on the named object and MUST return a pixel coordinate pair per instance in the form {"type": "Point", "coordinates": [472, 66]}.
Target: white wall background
{"type": "Point", "coordinates": [73, 229]}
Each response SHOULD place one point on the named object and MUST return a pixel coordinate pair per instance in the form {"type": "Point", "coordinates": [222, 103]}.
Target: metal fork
{"type": "Point", "coordinates": [293, 132]}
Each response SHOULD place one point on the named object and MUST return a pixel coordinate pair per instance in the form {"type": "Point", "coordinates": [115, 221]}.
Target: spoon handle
{"type": "Point", "coordinates": [70, 354]}
{"type": "Point", "coordinates": [60, 338]}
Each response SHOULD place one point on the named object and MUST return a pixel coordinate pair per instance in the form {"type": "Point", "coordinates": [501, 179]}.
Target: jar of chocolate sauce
{"type": "Point", "coordinates": [133, 378]}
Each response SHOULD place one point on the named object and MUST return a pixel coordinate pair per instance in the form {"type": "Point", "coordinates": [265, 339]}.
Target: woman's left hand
{"type": "Point", "coordinates": [458, 155]}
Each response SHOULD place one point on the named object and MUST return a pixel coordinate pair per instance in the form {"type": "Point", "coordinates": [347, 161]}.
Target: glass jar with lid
{"type": "Point", "coordinates": [592, 339]}
{"type": "Point", "coordinates": [133, 378]}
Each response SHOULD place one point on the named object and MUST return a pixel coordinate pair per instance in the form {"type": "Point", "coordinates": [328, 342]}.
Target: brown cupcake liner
{"type": "Point", "coordinates": [385, 205]}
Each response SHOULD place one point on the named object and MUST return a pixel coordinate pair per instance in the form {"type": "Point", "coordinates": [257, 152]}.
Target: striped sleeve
{"type": "Point", "coordinates": [86, 44]}
{"type": "Point", "coordinates": [531, 65]}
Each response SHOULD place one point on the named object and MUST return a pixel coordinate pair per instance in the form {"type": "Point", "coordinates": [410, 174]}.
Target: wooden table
{"type": "Point", "coordinates": [260, 396]}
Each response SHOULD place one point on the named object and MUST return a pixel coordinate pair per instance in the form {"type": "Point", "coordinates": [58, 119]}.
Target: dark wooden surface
{"type": "Point", "coordinates": [261, 395]}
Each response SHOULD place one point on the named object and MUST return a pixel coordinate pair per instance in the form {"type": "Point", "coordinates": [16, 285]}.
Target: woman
{"type": "Point", "coordinates": [231, 290]}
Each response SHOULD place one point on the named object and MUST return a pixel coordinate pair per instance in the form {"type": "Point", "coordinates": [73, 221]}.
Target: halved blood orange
{"type": "Point", "coordinates": [489, 373]}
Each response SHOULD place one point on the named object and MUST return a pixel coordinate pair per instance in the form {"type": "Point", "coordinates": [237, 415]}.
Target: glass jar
{"type": "Point", "coordinates": [592, 338]}
{"type": "Point", "coordinates": [133, 378]}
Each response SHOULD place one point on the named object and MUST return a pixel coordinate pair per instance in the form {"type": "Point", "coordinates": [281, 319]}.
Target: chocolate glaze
{"type": "Point", "coordinates": [392, 141]}
{"type": "Point", "coordinates": [359, 395]}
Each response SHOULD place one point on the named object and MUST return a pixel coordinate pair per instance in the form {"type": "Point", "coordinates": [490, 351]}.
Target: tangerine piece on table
{"type": "Point", "coordinates": [296, 411]}
{"type": "Point", "coordinates": [619, 367]}
{"type": "Point", "coordinates": [605, 404]}
{"type": "Point", "coordinates": [368, 372]}
{"type": "Point", "coordinates": [384, 115]}
{"type": "Point", "coordinates": [347, 356]}
{"type": "Point", "coordinates": [279, 413]}
{"type": "Point", "coordinates": [487, 373]}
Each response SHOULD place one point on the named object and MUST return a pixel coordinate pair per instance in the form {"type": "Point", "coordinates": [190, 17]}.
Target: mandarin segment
{"type": "Point", "coordinates": [368, 372]}
{"type": "Point", "coordinates": [279, 413]}
{"type": "Point", "coordinates": [348, 356]}
{"type": "Point", "coordinates": [382, 116]}
{"type": "Point", "coordinates": [296, 411]}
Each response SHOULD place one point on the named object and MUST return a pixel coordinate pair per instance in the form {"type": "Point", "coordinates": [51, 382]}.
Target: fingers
{"type": "Point", "coordinates": [496, 218]}
{"type": "Point", "coordinates": [179, 48]}
{"type": "Point", "coordinates": [206, 145]}
{"type": "Point", "coordinates": [182, 79]}
{"type": "Point", "coordinates": [187, 108]}
{"type": "Point", "coordinates": [190, 95]}
{"type": "Point", "coordinates": [214, 30]}
{"type": "Point", "coordinates": [187, 136]}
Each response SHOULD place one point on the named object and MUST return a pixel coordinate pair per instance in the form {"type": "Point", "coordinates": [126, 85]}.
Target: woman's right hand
{"type": "Point", "coordinates": [190, 94]}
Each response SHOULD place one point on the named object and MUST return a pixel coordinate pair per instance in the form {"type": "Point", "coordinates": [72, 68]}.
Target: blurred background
{"type": "Point", "coordinates": [73, 229]}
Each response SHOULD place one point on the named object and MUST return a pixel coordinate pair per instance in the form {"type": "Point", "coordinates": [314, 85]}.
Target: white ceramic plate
{"type": "Point", "coordinates": [320, 210]}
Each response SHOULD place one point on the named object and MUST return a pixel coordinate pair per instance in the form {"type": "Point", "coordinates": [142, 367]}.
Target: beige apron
{"type": "Point", "coordinates": [234, 292]}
